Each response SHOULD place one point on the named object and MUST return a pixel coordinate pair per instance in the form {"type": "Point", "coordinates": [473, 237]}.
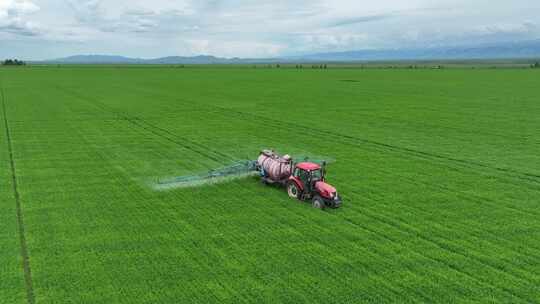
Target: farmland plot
{"type": "Point", "coordinates": [439, 171]}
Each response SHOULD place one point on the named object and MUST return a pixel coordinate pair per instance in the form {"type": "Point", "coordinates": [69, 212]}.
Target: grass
{"type": "Point", "coordinates": [439, 171]}
{"type": "Point", "coordinates": [11, 282]}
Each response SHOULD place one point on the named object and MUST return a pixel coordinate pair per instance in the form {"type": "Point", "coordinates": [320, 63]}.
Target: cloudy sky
{"type": "Point", "coordinates": [44, 29]}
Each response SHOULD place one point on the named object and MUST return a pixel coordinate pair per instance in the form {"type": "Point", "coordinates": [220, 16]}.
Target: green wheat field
{"type": "Point", "coordinates": [439, 171]}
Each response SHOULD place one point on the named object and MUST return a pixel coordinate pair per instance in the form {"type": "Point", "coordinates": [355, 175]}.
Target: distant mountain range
{"type": "Point", "coordinates": [201, 59]}
{"type": "Point", "coordinates": [512, 50]}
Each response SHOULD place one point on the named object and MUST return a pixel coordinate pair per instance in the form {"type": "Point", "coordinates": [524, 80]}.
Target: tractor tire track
{"type": "Point", "coordinates": [94, 119]}
{"type": "Point", "coordinates": [395, 222]}
{"type": "Point", "coordinates": [460, 195]}
{"type": "Point", "coordinates": [445, 263]}
{"type": "Point", "coordinates": [396, 226]}
{"type": "Point", "coordinates": [478, 199]}
{"type": "Point", "coordinates": [183, 142]}
{"type": "Point", "coordinates": [448, 190]}
{"type": "Point", "coordinates": [410, 229]}
{"type": "Point", "coordinates": [532, 177]}
{"type": "Point", "coordinates": [449, 228]}
{"type": "Point", "coordinates": [30, 297]}
{"type": "Point", "coordinates": [157, 95]}
{"type": "Point", "coordinates": [192, 146]}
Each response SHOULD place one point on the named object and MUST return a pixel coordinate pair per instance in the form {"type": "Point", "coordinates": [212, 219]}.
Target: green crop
{"type": "Point", "coordinates": [439, 171]}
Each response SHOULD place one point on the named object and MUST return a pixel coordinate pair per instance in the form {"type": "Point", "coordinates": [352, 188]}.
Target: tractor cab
{"type": "Point", "coordinates": [308, 173]}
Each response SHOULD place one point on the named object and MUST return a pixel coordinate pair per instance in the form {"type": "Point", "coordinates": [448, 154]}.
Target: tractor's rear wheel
{"type": "Point", "coordinates": [317, 202]}
{"type": "Point", "coordinates": [293, 191]}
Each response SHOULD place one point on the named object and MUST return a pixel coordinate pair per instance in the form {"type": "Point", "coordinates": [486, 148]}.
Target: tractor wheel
{"type": "Point", "coordinates": [318, 202]}
{"type": "Point", "coordinates": [293, 191]}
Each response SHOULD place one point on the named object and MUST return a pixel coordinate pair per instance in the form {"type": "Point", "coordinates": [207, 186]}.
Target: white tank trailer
{"type": "Point", "coordinates": [276, 168]}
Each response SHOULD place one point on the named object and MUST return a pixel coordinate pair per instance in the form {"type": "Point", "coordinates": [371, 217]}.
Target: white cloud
{"type": "Point", "coordinates": [86, 10]}
{"type": "Point", "coordinates": [250, 28]}
{"type": "Point", "coordinates": [232, 48]}
{"type": "Point", "coordinates": [16, 7]}
{"type": "Point", "coordinates": [13, 16]}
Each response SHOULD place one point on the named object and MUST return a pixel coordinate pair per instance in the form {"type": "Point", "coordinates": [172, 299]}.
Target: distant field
{"type": "Point", "coordinates": [439, 171]}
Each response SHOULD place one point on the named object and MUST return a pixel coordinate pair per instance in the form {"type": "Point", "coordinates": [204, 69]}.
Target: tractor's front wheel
{"type": "Point", "coordinates": [318, 202]}
{"type": "Point", "coordinates": [293, 191]}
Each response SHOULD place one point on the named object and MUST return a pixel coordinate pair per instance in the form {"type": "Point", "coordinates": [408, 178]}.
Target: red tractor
{"type": "Point", "coordinates": [304, 180]}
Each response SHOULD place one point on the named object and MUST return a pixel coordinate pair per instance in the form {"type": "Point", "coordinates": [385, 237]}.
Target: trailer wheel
{"type": "Point", "coordinates": [318, 202]}
{"type": "Point", "coordinates": [292, 190]}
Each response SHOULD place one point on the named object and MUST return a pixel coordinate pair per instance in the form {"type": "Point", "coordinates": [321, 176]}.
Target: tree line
{"type": "Point", "coordinates": [13, 62]}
